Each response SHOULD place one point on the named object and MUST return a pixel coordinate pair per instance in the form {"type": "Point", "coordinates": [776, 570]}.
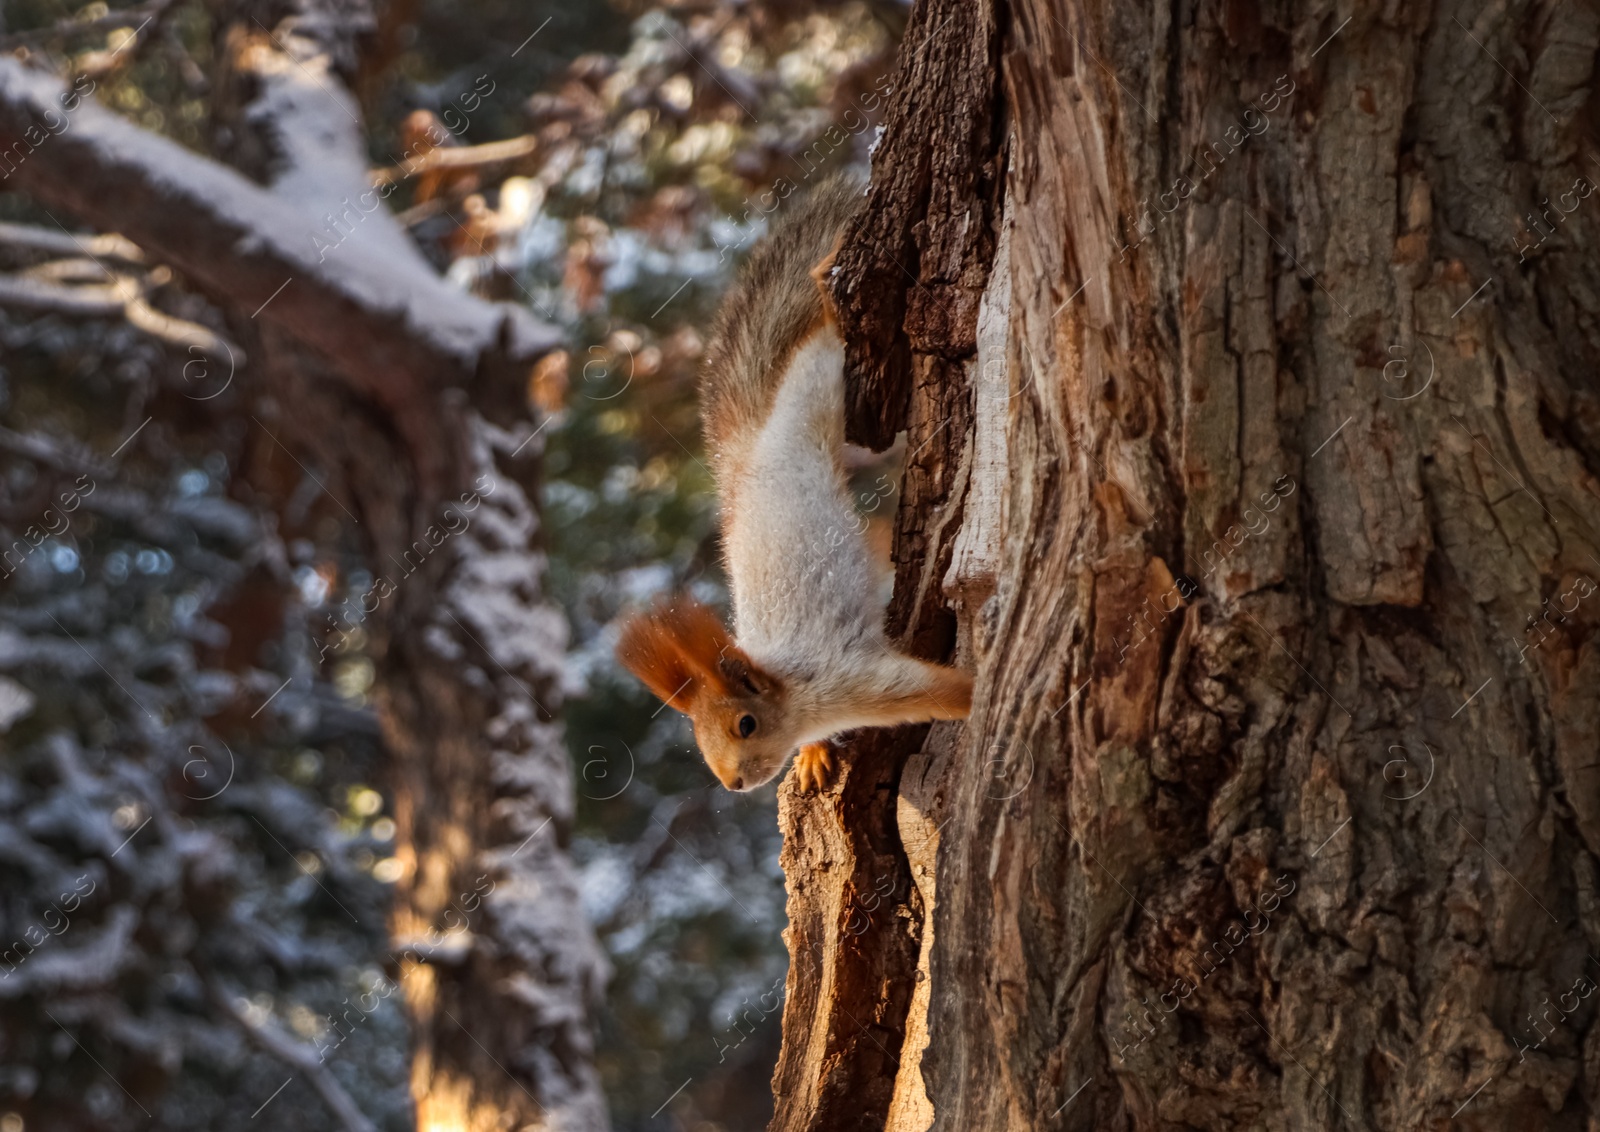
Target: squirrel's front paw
{"type": "Point", "coordinates": [813, 766]}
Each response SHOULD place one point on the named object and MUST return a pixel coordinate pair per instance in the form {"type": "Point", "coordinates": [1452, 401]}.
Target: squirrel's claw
{"type": "Point", "coordinates": [813, 767]}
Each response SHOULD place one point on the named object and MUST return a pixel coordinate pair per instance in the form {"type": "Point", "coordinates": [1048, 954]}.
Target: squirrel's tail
{"type": "Point", "coordinates": [773, 306]}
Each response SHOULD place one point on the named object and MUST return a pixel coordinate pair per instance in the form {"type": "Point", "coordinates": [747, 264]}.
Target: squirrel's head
{"type": "Point", "coordinates": [685, 655]}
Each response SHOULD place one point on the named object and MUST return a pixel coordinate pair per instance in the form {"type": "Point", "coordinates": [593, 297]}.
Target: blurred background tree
{"type": "Point", "coordinates": [188, 649]}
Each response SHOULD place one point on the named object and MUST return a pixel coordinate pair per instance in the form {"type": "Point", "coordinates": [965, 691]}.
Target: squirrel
{"type": "Point", "coordinates": [808, 657]}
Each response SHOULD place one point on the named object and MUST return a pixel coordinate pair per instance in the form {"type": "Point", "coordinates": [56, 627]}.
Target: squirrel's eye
{"type": "Point", "coordinates": [747, 726]}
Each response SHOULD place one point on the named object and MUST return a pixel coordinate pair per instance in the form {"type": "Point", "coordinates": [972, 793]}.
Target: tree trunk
{"type": "Point", "coordinates": [498, 966]}
{"type": "Point", "coordinates": [408, 397]}
{"type": "Point", "coordinates": [1254, 444]}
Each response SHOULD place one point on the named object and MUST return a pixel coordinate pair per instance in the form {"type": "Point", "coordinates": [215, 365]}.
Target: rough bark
{"type": "Point", "coordinates": [1278, 805]}
{"type": "Point", "coordinates": [855, 897]}
{"type": "Point", "coordinates": [407, 395]}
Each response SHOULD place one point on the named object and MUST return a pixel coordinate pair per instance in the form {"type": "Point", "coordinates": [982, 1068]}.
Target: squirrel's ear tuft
{"type": "Point", "coordinates": [677, 651]}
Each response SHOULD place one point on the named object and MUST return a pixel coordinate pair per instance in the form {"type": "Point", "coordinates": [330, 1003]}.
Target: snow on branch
{"type": "Point", "coordinates": [392, 328]}
{"type": "Point", "coordinates": [296, 1055]}
{"type": "Point", "coordinates": [124, 298]}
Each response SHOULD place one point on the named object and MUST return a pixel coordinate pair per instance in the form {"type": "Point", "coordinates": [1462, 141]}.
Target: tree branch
{"type": "Point", "coordinates": [123, 298]}
{"type": "Point", "coordinates": [296, 1056]}
{"type": "Point", "coordinates": [459, 157]}
{"type": "Point", "coordinates": [126, 17]}
{"type": "Point", "coordinates": [109, 246]}
{"type": "Point", "coordinates": [393, 330]}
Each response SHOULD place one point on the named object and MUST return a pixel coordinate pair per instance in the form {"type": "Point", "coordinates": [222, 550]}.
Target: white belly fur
{"type": "Point", "coordinates": [803, 581]}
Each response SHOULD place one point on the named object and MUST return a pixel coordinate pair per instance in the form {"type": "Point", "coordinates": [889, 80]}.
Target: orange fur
{"type": "Point", "coordinates": [813, 766]}
{"type": "Point", "coordinates": [946, 695]}
{"type": "Point", "coordinates": [819, 274]}
{"type": "Point", "coordinates": [683, 653]}
{"type": "Point", "coordinates": [949, 697]}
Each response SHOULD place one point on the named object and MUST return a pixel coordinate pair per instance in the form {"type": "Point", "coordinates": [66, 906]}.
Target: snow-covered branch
{"type": "Point", "coordinates": [387, 323]}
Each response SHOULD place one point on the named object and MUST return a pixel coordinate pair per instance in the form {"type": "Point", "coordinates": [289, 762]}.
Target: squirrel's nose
{"type": "Point", "coordinates": [736, 784]}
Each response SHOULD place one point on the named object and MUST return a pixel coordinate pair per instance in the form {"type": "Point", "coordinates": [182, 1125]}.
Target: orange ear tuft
{"type": "Point", "coordinates": [677, 651]}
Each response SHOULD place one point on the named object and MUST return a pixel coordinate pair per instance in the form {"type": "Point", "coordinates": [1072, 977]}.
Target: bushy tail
{"type": "Point", "coordinates": [773, 306]}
